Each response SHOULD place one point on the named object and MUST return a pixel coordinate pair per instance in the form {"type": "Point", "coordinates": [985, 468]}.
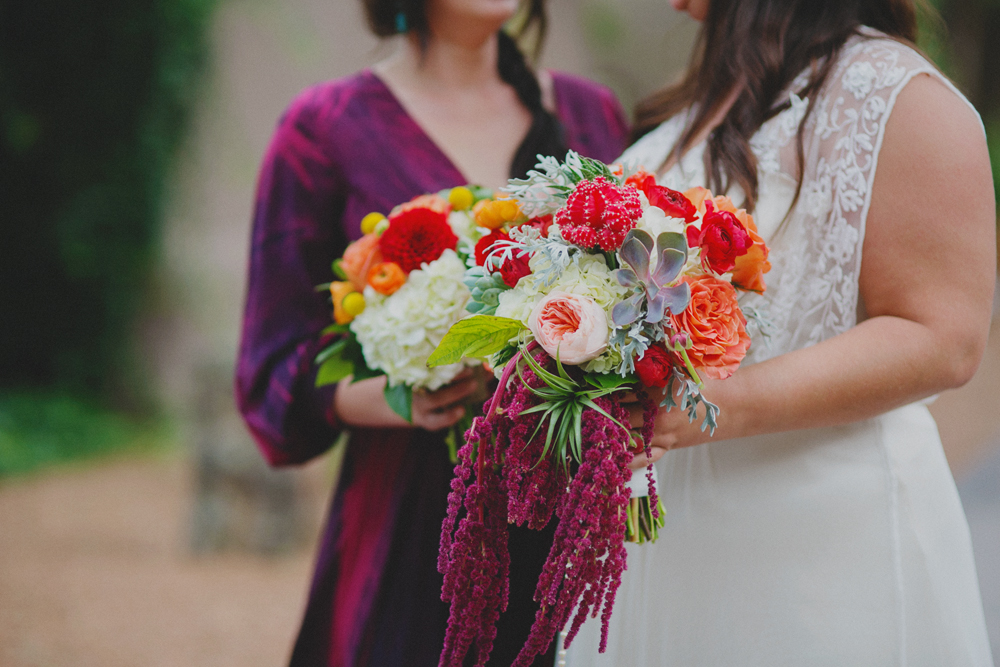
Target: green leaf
{"type": "Point", "coordinates": [334, 350]}
{"type": "Point", "coordinates": [610, 380]}
{"type": "Point", "coordinates": [338, 270]}
{"type": "Point", "coordinates": [335, 329]}
{"type": "Point", "coordinates": [333, 370]}
{"type": "Point", "coordinates": [478, 336]}
{"type": "Point", "coordinates": [400, 399]}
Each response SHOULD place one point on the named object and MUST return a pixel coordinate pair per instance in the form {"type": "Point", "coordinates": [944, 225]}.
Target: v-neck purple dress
{"type": "Point", "coordinates": [342, 150]}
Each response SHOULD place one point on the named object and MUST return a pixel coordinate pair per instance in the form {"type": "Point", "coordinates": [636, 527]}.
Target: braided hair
{"type": "Point", "coordinates": [546, 135]}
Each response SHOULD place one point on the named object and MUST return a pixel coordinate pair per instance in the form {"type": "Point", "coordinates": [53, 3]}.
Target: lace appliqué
{"type": "Point", "coordinates": [813, 289]}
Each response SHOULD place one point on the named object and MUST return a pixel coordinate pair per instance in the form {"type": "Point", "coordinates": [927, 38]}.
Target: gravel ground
{"type": "Point", "coordinates": [94, 571]}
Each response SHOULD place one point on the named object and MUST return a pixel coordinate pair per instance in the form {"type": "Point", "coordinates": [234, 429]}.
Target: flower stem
{"type": "Point", "coordinates": [690, 368]}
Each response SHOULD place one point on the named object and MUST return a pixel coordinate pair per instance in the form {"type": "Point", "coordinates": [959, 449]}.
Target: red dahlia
{"type": "Point", "coordinates": [416, 236]}
{"type": "Point", "coordinates": [599, 213]}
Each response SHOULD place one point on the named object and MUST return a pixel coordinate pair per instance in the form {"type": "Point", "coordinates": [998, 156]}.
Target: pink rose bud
{"type": "Point", "coordinates": [571, 325]}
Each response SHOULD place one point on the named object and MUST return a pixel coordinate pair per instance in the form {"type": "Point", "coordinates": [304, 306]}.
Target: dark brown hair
{"type": "Point", "coordinates": [760, 46]}
{"type": "Point", "coordinates": [546, 136]}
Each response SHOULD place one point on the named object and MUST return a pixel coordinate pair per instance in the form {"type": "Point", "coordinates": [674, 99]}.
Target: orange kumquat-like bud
{"type": "Point", "coordinates": [386, 278]}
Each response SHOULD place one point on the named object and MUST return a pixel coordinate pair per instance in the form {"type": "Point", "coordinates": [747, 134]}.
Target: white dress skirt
{"type": "Point", "coordinates": [839, 547]}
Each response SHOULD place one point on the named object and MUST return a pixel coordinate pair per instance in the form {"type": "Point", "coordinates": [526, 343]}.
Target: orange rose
{"type": "Point", "coordinates": [751, 266]}
{"type": "Point", "coordinates": [338, 290]}
{"type": "Point", "coordinates": [386, 277]}
{"type": "Point", "coordinates": [716, 326]}
{"type": "Point", "coordinates": [435, 203]}
{"type": "Point", "coordinates": [359, 258]}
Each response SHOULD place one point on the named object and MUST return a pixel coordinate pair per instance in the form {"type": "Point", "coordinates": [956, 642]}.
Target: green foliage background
{"type": "Point", "coordinates": [94, 96]}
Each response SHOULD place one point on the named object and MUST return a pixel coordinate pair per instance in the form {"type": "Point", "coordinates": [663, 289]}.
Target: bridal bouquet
{"type": "Point", "coordinates": [612, 284]}
{"type": "Point", "coordinates": [401, 288]}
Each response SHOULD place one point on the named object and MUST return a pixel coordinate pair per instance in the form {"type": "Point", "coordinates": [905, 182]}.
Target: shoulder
{"type": "Point", "coordinates": [569, 86]}
{"type": "Point", "coordinates": [330, 100]}
{"type": "Point", "coordinates": [318, 119]}
{"type": "Point", "coordinates": [919, 106]}
{"type": "Point", "coordinates": [872, 64]}
{"type": "Point", "coordinates": [592, 115]}
{"type": "Point", "coordinates": [935, 137]}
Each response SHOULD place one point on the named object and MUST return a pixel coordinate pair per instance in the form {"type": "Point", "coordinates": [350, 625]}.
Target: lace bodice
{"type": "Point", "coordinates": [812, 288]}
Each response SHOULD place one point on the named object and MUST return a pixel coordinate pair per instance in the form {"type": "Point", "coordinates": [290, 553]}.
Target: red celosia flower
{"type": "Point", "coordinates": [722, 239]}
{"type": "Point", "coordinates": [484, 244]}
{"type": "Point", "coordinates": [416, 236]}
{"type": "Point", "coordinates": [599, 213]}
{"type": "Point", "coordinates": [655, 367]}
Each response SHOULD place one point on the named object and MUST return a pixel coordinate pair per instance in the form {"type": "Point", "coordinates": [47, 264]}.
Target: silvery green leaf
{"type": "Point", "coordinates": [628, 311]}
{"type": "Point", "coordinates": [669, 265]}
{"type": "Point", "coordinates": [491, 297]}
{"type": "Point", "coordinates": [675, 299]}
{"type": "Point", "coordinates": [643, 237]}
{"type": "Point", "coordinates": [671, 240]}
{"type": "Point", "coordinates": [635, 254]}
{"type": "Point", "coordinates": [626, 277]}
{"type": "Point", "coordinates": [474, 307]}
{"type": "Point", "coordinates": [485, 282]}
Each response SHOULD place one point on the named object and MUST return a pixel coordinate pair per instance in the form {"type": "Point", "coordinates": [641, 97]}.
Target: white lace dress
{"type": "Point", "coordinates": [840, 546]}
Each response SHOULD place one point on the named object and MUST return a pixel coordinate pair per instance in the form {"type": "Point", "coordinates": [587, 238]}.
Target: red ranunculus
{"type": "Point", "coordinates": [655, 367]}
{"type": "Point", "coordinates": [722, 239]}
{"type": "Point", "coordinates": [671, 202]}
{"type": "Point", "coordinates": [541, 223]}
{"type": "Point", "coordinates": [484, 245]}
{"type": "Point", "coordinates": [599, 213]}
{"type": "Point", "coordinates": [416, 236]}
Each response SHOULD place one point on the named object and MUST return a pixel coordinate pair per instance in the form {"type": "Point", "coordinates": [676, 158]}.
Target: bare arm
{"type": "Point", "coordinates": [927, 281]}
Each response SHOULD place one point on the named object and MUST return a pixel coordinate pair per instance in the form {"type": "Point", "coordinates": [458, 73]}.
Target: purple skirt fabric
{"type": "Point", "coordinates": [342, 150]}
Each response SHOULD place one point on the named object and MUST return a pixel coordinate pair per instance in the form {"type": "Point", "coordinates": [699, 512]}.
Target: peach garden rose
{"type": "Point", "coordinates": [570, 325]}
{"type": "Point", "coordinates": [716, 326]}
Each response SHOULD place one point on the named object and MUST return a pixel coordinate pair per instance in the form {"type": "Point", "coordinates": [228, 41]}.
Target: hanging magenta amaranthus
{"type": "Point", "coordinates": [509, 472]}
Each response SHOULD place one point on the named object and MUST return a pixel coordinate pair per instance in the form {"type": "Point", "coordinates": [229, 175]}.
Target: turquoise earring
{"type": "Point", "coordinates": [401, 22]}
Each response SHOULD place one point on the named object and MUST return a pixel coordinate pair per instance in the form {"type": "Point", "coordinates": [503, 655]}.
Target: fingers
{"type": "Point", "coordinates": [640, 461]}
{"type": "Point", "coordinates": [437, 420]}
{"type": "Point", "coordinates": [446, 396]}
{"type": "Point", "coordinates": [635, 414]}
{"type": "Point", "coordinates": [628, 397]}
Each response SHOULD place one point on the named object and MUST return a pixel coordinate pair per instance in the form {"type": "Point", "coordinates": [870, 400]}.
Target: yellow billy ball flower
{"type": "Point", "coordinates": [461, 198]}
{"type": "Point", "coordinates": [354, 304]}
{"type": "Point", "coordinates": [369, 221]}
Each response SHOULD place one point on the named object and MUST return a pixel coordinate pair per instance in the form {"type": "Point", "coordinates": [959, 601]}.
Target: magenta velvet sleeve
{"type": "Point", "coordinates": [296, 233]}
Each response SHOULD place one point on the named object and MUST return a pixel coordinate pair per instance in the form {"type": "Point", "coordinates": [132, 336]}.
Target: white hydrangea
{"type": "Point", "coordinates": [397, 333]}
